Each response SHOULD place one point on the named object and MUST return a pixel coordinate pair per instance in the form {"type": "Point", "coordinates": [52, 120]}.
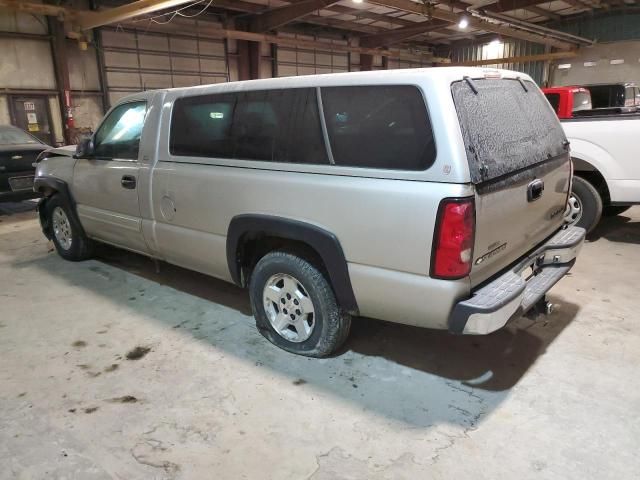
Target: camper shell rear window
{"type": "Point", "coordinates": [507, 126]}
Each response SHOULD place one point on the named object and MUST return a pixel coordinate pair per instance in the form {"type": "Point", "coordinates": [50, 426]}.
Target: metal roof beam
{"type": "Point", "coordinates": [277, 17]}
{"type": "Point", "coordinates": [401, 34]}
{"type": "Point", "coordinates": [440, 14]}
{"type": "Point", "coordinates": [545, 13]}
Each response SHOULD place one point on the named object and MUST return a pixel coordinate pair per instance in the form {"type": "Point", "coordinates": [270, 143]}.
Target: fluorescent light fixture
{"type": "Point", "coordinates": [564, 66]}
{"type": "Point", "coordinates": [464, 23]}
{"type": "Point", "coordinates": [590, 64]}
{"type": "Point", "coordinates": [357, 1]}
{"type": "Point", "coordinates": [617, 61]}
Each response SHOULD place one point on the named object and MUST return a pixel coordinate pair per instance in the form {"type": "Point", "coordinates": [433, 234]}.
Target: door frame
{"type": "Point", "coordinates": [11, 97]}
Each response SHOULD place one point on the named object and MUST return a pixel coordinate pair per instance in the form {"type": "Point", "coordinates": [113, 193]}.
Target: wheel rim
{"type": "Point", "coordinates": [289, 308]}
{"type": "Point", "coordinates": [61, 228]}
{"type": "Point", "coordinates": [574, 210]}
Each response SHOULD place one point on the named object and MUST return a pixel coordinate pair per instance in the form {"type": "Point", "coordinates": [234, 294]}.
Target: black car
{"type": "Point", "coordinates": [18, 152]}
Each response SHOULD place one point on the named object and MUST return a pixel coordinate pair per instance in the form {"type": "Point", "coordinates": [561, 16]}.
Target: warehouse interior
{"type": "Point", "coordinates": [121, 367]}
{"type": "Point", "coordinates": [147, 48]}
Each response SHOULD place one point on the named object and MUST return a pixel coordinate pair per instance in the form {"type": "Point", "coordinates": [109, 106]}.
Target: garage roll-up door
{"type": "Point", "coordinates": [135, 61]}
{"type": "Point", "coordinates": [293, 61]}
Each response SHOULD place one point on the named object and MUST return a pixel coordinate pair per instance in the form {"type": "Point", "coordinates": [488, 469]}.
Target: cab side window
{"type": "Point", "coordinates": [119, 135]}
{"type": "Point", "coordinates": [264, 125]}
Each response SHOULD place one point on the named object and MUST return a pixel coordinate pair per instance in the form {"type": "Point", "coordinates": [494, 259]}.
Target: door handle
{"type": "Point", "coordinates": [534, 190]}
{"type": "Point", "coordinates": [128, 182]}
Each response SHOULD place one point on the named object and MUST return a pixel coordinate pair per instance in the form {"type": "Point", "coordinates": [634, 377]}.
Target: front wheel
{"type": "Point", "coordinates": [295, 307]}
{"type": "Point", "coordinates": [68, 237]}
{"type": "Point", "coordinates": [585, 205]}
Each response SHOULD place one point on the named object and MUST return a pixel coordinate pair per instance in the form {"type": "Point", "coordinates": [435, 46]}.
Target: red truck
{"type": "Point", "coordinates": [568, 100]}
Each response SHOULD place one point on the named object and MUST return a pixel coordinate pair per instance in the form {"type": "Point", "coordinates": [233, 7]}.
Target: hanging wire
{"type": "Point", "coordinates": [177, 12]}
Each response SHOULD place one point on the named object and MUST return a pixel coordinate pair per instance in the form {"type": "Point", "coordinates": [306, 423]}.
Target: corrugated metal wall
{"type": "Point", "coordinates": [137, 60]}
{"type": "Point", "coordinates": [293, 61]}
{"type": "Point", "coordinates": [603, 27]}
{"type": "Point", "coordinates": [510, 48]}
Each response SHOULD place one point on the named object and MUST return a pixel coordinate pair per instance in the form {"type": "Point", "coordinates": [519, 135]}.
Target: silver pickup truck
{"type": "Point", "coordinates": [430, 197]}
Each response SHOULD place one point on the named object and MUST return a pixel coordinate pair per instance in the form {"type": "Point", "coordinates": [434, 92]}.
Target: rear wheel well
{"type": "Point", "coordinates": [252, 247]}
{"type": "Point", "coordinates": [594, 177]}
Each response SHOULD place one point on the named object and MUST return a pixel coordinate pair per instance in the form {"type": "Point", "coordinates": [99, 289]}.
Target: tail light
{"type": "Point", "coordinates": [452, 252]}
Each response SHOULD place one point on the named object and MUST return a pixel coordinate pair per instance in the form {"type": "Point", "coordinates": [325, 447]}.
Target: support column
{"type": "Point", "coordinates": [254, 60]}
{"type": "Point", "coordinates": [63, 83]}
{"type": "Point", "coordinates": [366, 62]}
{"type": "Point", "coordinates": [248, 56]}
{"type": "Point", "coordinates": [244, 67]}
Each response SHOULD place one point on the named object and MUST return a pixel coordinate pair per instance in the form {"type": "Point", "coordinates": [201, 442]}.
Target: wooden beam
{"type": "Point", "coordinates": [277, 17]}
{"type": "Point", "coordinates": [35, 8]}
{"type": "Point", "coordinates": [401, 34]}
{"type": "Point", "coordinates": [521, 59]}
{"type": "Point", "coordinates": [440, 14]}
{"type": "Point", "coordinates": [89, 20]}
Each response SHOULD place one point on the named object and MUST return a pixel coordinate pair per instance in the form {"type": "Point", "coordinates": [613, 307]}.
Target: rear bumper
{"type": "Point", "coordinates": [494, 304]}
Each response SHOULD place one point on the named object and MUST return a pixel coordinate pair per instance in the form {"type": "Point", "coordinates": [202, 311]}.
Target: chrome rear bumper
{"type": "Point", "coordinates": [495, 303]}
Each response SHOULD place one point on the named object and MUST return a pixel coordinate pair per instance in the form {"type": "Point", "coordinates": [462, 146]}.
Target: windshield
{"type": "Point", "coordinates": [505, 127]}
{"type": "Point", "coordinates": [15, 136]}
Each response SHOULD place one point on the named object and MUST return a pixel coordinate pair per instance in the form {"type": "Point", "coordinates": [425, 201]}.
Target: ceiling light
{"type": "Point", "coordinates": [357, 1]}
{"type": "Point", "coordinates": [464, 23]}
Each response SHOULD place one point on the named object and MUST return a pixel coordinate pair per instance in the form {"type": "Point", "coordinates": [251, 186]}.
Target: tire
{"type": "Point", "coordinates": [68, 236]}
{"type": "Point", "coordinates": [612, 211]}
{"type": "Point", "coordinates": [285, 283]}
{"type": "Point", "coordinates": [587, 202]}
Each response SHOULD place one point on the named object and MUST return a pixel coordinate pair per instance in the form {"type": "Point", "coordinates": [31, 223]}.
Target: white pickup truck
{"type": "Point", "coordinates": [606, 166]}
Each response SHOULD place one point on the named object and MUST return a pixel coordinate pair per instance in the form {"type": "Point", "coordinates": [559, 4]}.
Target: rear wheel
{"type": "Point", "coordinates": [68, 237]}
{"type": "Point", "coordinates": [585, 205]}
{"type": "Point", "coordinates": [295, 307]}
{"type": "Point", "coordinates": [613, 210]}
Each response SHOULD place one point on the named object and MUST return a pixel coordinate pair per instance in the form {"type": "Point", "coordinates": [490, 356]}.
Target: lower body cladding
{"type": "Point", "coordinates": [516, 291]}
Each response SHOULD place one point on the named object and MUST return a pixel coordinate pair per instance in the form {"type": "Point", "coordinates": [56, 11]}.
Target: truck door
{"type": "Point", "coordinates": [105, 185]}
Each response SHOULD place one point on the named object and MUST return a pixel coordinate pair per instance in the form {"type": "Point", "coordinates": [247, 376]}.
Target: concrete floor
{"type": "Point", "coordinates": [554, 399]}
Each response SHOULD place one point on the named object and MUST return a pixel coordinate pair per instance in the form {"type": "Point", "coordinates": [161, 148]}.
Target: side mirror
{"type": "Point", "coordinates": [85, 148]}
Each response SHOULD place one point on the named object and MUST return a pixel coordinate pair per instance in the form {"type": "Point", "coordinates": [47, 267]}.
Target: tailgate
{"type": "Point", "coordinates": [520, 165]}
